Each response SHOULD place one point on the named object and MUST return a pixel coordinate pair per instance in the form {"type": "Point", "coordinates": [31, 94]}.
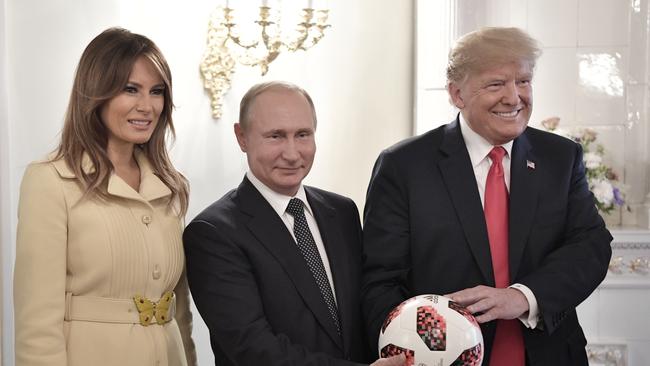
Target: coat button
{"type": "Point", "coordinates": [146, 219]}
{"type": "Point", "coordinates": [156, 272]}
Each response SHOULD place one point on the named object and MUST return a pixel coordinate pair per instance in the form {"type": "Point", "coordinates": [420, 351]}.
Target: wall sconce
{"type": "Point", "coordinates": [226, 47]}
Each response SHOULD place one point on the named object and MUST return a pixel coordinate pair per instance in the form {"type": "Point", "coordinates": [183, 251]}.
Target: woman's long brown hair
{"type": "Point", "coordinates": [102, 73]}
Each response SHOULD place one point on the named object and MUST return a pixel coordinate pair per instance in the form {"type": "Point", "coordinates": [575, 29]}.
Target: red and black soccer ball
{"type": "Point", "coordinates": [432, 330]}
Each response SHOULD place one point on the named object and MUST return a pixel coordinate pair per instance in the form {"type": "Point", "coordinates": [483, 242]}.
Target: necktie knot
{"type": "Point", "coordinates": [496, 154]}
{"type": "Point", "coordinates": [295, 207]}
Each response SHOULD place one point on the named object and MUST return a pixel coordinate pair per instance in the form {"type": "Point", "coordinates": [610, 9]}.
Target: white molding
{"type": "Point", "coordinates": [607, 354]}
{"type": "Point", "coordinates": [631, 245]}
{"type": "Point", "coordinates": [631, 235]}
{"type": "Point", "coordinates": [629, 267]}
{"type": "Point", "coordinates": [625, 283]}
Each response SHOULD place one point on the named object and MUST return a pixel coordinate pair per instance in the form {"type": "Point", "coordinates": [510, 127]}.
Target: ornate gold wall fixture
{"type": "Point", "coordinates": [217, 65]}
{"type": "Point", "coordinates": [225, 45]}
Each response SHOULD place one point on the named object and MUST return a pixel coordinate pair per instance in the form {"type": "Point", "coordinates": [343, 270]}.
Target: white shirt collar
{"type": "Point", "coordinates": [477, 146]}
{"type": "Point", "coordinates": [278, 201]}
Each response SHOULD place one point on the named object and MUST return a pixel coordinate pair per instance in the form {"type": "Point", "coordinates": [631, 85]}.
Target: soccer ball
{"type": "Point", "coordinates": [432, 330]}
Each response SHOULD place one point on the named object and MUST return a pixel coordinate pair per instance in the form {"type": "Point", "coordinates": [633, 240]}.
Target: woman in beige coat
{"type": "Point", "coordinates": [99, 275]}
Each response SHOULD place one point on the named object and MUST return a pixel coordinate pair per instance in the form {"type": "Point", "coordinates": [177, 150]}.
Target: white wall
{"type": "Point", "coordinates": [360, 77]}
{"type": "Point", "coordinates": [5, 231]}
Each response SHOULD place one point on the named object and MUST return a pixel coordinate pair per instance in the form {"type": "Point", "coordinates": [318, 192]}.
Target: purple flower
{"type": "Point", "coordinates": [618, 197]}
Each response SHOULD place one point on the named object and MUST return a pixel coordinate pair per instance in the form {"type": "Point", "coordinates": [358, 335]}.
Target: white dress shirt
{"type": "Point", "coordinates": [279, 203]}
{"type": "Point", "coordinates": [478, 149]}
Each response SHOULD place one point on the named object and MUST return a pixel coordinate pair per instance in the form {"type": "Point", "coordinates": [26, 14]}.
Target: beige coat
{"type": "Point", "coordinates": [68, 248]}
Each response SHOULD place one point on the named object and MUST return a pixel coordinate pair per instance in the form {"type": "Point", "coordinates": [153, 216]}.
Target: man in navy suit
{"type": "Point", "coordinates": [274, 266]}
{"type": "Point", "coordinates": [495, 214]}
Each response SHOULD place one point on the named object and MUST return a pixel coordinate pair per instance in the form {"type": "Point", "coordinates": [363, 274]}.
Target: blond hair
{"type": "Point", "coordinates": [488, 47]}
{"type": "Point", "coordinates": [101, 74]}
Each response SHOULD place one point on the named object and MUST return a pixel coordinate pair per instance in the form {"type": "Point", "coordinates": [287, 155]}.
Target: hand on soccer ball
{"type": "Point", "coordinates": [489, 303]}
{"type": "Point", "coordinates": [398, 360]}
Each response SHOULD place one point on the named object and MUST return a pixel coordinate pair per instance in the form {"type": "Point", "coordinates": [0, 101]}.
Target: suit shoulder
{"type": "Point", "coordinates": [416, 144]}
{"type": "Point", "coordinates": [408, 154]}
{"type": "Point", "coordinates": [557, 142]}
{"type": "Point", "coordinates": [219, 210]}
{"type": "Point", "coordinates": [344, 207]}
{"type": "Point", "coordinates": [41, 169]}
{"type": "Point", "coordinates": [41, 175]}
{"type": "Point", "coordinates": [329, 197]}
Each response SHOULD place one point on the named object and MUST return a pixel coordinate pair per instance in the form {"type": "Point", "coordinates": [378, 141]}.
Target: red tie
{"type": "Point", "coordinates": [508, 348]}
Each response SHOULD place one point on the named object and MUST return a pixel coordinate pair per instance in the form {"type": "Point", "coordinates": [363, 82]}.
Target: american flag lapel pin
{"type": "Point", "coordinates": [530, 164]}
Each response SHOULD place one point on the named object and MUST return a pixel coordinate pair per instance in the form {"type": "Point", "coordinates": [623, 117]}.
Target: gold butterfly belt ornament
{"type": "Point", "coordinates": [149, 309]}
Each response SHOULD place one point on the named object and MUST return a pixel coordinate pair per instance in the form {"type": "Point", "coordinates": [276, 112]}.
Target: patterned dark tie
{"type": "Point", "coordinates": [508, 348]}
{"type": "Point", "coordinates": [309, 251]}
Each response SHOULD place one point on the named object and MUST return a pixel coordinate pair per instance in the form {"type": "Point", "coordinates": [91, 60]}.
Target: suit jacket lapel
{"type": "Point", "coordinates": [332, 239]}
{"type": "Point", "coordinates": [456, 170]}
{"type": "Point", "coordinates": [524, 190]}
{"type": "Point", "coordinates": [270, 231]}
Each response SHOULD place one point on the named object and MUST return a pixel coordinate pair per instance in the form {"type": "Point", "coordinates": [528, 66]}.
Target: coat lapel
{"type": "Point", "coordinates": [524, 191]}
{"type": "Point", "coordinates": [270, 231]}
{"type": "Point", "coordinates": [330, 232]}
{"type": "Point", "coordinates": [151, 187]}
{"type": "Point", "coordinates": [456, 170]}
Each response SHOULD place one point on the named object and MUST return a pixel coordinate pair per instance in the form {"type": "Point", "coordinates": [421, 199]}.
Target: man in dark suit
{"type": "Point", "coordinates": [274, 266]}
{"type": "Point", "coordinates": [495, 214]}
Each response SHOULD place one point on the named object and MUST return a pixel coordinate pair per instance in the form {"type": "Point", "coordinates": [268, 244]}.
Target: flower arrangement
{"type": "Point", "coordinates": [603, 181]}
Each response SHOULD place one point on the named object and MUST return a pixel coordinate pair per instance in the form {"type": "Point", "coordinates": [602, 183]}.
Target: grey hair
{"type": "Point", "coordinates": [257, 89]}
